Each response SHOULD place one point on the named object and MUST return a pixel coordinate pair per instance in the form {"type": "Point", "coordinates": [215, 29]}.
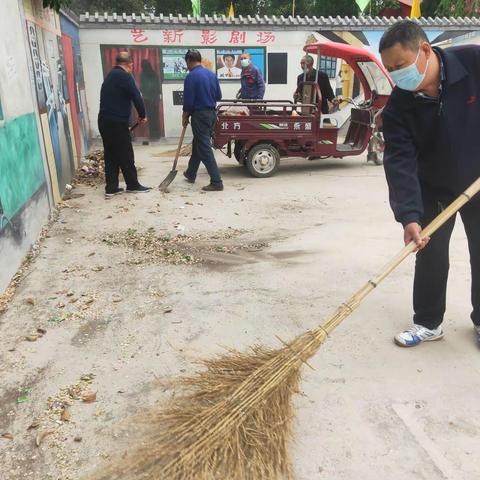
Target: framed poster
{"type": "Point", "coordinates": [174, 66]}
{"type": "Point", "coordinates": [228, 63]}
{"type": "Point", "coordinates": [173, 63]}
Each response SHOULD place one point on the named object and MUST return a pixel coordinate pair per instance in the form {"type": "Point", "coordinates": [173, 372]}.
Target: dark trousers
{"type": "Point", "coordinates": [118, 152]}
{"type": "Point", "coordinates": [203, 123]}
{"type": "Point", "coordinates": [432, 263]}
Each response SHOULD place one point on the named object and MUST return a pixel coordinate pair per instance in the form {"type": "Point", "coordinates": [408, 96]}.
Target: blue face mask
{"type": "Point", "coordinates": [409, 78]}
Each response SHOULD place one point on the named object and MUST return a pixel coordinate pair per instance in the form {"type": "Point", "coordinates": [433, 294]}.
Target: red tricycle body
{"type": "Point", "coordinates": [263, 131]}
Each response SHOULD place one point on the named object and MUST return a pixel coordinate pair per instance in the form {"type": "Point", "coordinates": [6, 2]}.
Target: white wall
{"type": "Point", "coordinates": [290, 42]}
{"type": "Point", "coordinates": [15, 88]}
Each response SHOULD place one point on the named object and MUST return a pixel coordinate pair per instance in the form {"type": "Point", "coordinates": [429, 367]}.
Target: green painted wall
{"type": "Point", "coordinates": [21, 164]}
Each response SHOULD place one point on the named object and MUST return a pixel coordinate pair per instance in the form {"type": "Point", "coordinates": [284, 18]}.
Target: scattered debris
{"type": "Point", "coordinates": [41, 435]}
{"type": "Point", "coordinates": [147, 247]}
{"type": "Point", "coordinates": [116, 298]}
{"type": "Point", "coordinates": [34, 425]}
{"type": "Point", "coordinates": [92, 170]}
{"type": "Point", "coordinates": [167, 310]}
{"type": "Point", "coordinates": [89, 397]}
{"type": "Point", "coordinates": [24, 396]}
{"type": "Point", "coordinates": [42, 331]}
{"type": "Point", "coordinates": [77, 439]}
{"type": "Point", "coordinates": [30, 301]}
{"type": "Point", "coordinates": [7, 436]}
{"type": "Point", "coordinates": [66, 415]}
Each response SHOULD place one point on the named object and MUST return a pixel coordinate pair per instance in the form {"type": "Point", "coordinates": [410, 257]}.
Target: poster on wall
{"type": "Point", "coordinates": [174, 66]}
{"type": "Point", "coordinates": [228, 61]}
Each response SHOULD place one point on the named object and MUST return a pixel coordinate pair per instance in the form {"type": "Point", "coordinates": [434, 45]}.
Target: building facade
{"type": "Point", "coordinates": [274, 43]}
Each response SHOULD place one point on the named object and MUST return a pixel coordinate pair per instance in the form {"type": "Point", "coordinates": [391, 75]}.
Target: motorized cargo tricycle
{"type": "Point", "coordinates": [266, 130]}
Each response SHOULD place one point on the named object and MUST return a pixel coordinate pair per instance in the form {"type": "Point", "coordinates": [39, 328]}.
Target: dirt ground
{"type": "Point", "coordinates": [116, 303]}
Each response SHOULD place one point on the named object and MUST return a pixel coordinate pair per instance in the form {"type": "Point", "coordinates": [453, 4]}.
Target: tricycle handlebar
{"type": "Point", "coordinates": [291, 104]}
{"type": "Point", "coordinates": [254, 100]}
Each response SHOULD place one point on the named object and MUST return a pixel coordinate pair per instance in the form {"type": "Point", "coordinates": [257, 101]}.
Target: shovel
{"type": "Point", "coordinates": [173, 172]}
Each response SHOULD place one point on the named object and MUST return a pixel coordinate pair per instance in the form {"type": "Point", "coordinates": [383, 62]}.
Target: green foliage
{"type": "Point", "coordinates": [376, 6]}
{"type": "Point", "coordinates": [56, 4]}
{"type": "Point", "coordinates": [265, 7]}
{"type": "Point", "coordinates": [118, 6]}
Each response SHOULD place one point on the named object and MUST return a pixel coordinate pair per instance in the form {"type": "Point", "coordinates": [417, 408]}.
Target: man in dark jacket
{"type": "Point", "coordinates": [116, 97]}
{"type": "Point", "coordinates": [431, 128]}
{"type": "Point", "coordinates": [252, 83]}
{"type": "Point", "coordinates": [201, 92]}
{"type": "Point", "coordinates": [323, 82]}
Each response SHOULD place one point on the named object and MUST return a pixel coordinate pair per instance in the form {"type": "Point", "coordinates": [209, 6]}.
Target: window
{"type": "Point", "coordinates": [376, 78]}
{"type": "Point", "coordinates": [329, 66]}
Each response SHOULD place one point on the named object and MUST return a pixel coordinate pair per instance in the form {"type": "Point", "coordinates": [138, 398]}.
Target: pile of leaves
{"type": "Point", "coordinates": [185, 151]}
{"type": "Point", "coordinates": [92, 171]}
{"type": "Point", "coordinates": [149, 248]}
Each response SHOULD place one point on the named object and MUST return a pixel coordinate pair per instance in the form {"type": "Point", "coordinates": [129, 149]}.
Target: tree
{"type": "Point", "coordinates": [56, 4]}
{"type": "Point", "coordinates": [118, 6]}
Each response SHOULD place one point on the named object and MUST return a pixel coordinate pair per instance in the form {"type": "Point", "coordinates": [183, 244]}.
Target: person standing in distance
{"type": "Point", "coordinates": [201, 92]}
{"type": "Point", "coordinates": [431, 129]}
{"type": "Point", "coordinates": [306, 64]}
{"type": "Point", "coordinates": [116, 96]}
{"type": "Point", "coordinates": [252, 83]}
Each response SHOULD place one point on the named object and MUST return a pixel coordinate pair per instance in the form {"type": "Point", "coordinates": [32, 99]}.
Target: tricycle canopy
{"type": "Point", "coordinates": [367, 67]}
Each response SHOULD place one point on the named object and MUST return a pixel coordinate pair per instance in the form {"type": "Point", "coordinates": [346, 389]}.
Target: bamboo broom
{"type": "Point", "coordinates": [233, 420]}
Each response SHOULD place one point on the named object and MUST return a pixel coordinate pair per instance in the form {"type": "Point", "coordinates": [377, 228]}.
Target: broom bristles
{"type": "Point", "coordinates": [232, 421]}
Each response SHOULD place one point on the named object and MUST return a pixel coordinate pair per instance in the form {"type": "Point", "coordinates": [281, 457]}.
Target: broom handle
{"type": "Point", "coordinates": [431, 228]}
{"type": "Point", "coordinates": [180, 142]}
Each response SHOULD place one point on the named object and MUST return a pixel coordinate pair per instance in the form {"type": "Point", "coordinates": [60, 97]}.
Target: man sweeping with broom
{"type": "Point", "coordinates": [431, 127]}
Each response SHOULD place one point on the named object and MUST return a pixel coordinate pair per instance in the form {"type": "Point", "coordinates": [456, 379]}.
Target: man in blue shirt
{"type": "Point", "coordinates": [253, 85]}
{"type": "Point", "coordinates": [116, 97]}
{"type": "Point", "coordinates": [201, 92]}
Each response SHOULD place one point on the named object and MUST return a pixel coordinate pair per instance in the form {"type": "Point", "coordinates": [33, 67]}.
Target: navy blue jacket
{"type": "Point", "coordinates": [117, 94]}
{"type": "Point", "coordinates": [253, 85]}
{"type": "Point", "coordinates": [434, 145]}
{"type": "Point", "coordinates": [201, 90]}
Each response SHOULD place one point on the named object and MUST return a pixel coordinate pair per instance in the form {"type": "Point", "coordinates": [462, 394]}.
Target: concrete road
{"type": "Point", "coordinates": [278, 255]}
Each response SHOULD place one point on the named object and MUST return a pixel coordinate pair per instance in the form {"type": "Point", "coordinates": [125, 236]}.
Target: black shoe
{"type": "Point", "coordinates": [187, 178]}
{"type": "Point", "coordinates": [139, 189]}
{"type": "Point", "coordinates": [115, 192]}
{"type": "Point", "coordinates": [213, 188]}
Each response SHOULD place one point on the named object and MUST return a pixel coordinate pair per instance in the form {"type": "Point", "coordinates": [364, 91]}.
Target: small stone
{"type": "Point", "coordinates": [77, 439]}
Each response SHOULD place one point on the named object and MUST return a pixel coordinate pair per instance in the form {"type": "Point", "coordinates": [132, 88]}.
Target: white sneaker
{"type": "Point", "coordinates": [417, 334]}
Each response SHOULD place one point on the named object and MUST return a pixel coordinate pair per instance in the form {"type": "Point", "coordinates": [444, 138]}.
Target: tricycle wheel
{"type": "Point", "coordinates": [263, 160]}
{"type": "Point", "coordinates": [239, 151]}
